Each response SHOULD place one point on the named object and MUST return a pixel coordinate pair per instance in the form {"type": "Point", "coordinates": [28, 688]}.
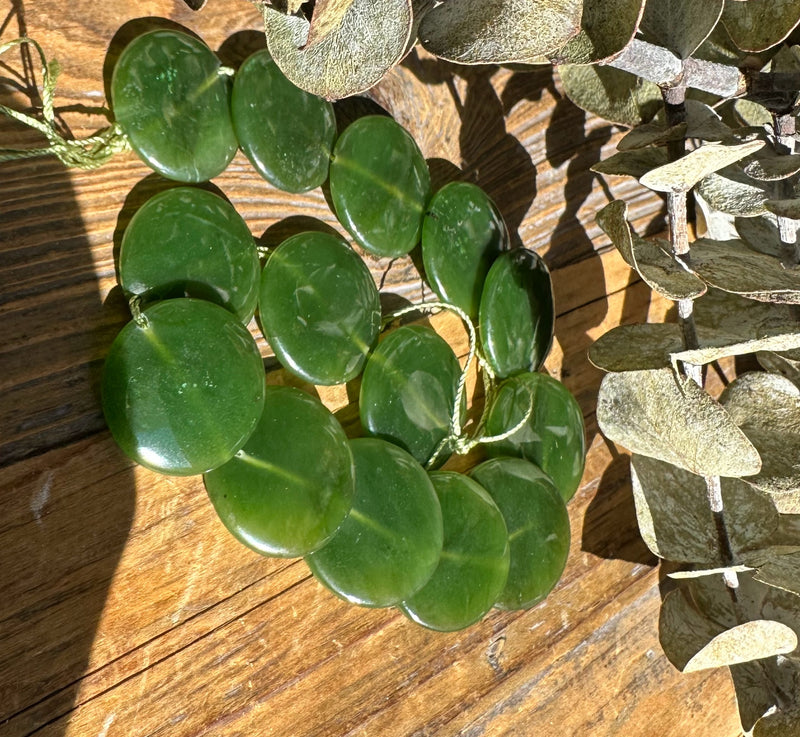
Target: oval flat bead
{"type": "Point", "coordinates": [473, 567]}
{"type": "Point", "coordinates": [389, 545]}
{"type": "Point", "coordinates": [553, 437]}
{"type": "Point", "coordinates": [516, 314]}
{"type": "Point", "coordinates": [174, 106]}
{"type": "Point", "coordinates": [189, 242]}
{"type": "Point", "coordinates": [380, 185]}
{"type": "Point", "coordinates": [462, 234]}
{"type": "Point", "coordinates": [408, 391]}
{"type": "Point", "coordinates": [538, 528]}
{"type": "Point", "coordinates": [285, 132]}
{"type": "Point", "coordinates": [288, 489]}
{"type": "Point", "coordinates": [183, 387]}
{"type": "Point", "coordinates": [319, 308]}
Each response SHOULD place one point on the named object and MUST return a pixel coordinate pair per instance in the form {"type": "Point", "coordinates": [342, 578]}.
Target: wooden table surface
{"type": "Point", "coordinates": [125, 607]}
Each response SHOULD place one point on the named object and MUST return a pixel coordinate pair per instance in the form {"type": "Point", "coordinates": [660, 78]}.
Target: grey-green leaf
{"type": "Point", "coordinates": [612, 94]}
{"type": "Point", "coordinates": [636, 347]}
{"type": "Point", "coordinates": [680, 25]}
{"type": "Point", "coordinates": [784, 208]}
{"type": "Point", "coordinates": [769, 166]}
{"type": "Point", "coordinates": [734, 267]}
{"type": "Point", "coordinates": [347, 60]}
{"type": "Point", "coordinates": [757, 25]}
{"type": "Point", "coordinates": [761, 234]}
{"type": "Point", "coordinates": [668, 417]}
{"type": "Point", "coordinates": [632, 163]}
{"type": "Point", "coordinates": [676, 523]}
{"type": "Point", "coordinates": [693, 642]}
{"type": "Point", "coordinates": [499, 31]}
{"type": "Point", "coordinates": [766, 407]}
{"type": "Point", "coordinates": [607, 26]}
{"type": "Point", "coordinates": [650, 259]}
{"type": "Point", "coordinates": [683, 174]}
{"type": "Point", "coordinates": [733, 193]}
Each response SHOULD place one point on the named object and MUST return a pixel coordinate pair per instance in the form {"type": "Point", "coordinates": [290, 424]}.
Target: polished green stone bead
{"type": "Point", "coordinates": [474, 564]}
{"type": "Point", "coordinates": [462, 234]}
{"type": "Point", "coordinates": [389, 545]}
{"type": "Point", "coordinates": [173, 104]}
{"type": "Point", "coordinates": [553, 437]}
{"type": "Point", "coordinates": [319, 308]}
{"type": "Point", "coordinates": [380, 185]}
{"type": "Point", "coordinates": [286, 132]}
{"type": "Point", "coordinates": [538, 528]}
{"type": "Point", "coordinates": [288, 489]}
{"type": "Point", "coordinates": [189, 242]}
{"type": "Point", "coordinates": [183, 387]}
{"type": "Point", "coordinates": [408, 391]}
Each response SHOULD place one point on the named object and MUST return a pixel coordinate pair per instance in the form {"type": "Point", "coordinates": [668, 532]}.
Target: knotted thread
{"type": "Point", "coordinates": [86, 153]}
{"type": "Point", "coordinates": [457, 440]}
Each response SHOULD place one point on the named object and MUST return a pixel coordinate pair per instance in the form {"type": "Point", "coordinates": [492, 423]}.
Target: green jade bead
{"type": "Point", "coordinates": [189, 242]}
{"type": "Point", "coordinates": [288, 489]}
{"type": "Point", "coordinates": [474, 564]}
{"type": "Point", "coordinates": [380, 185]}
{"type": "Point", "coordinates": [389, 545]}
{"type": "Point", "coordinates": [319, 308]}
{"type": "Point", "coordinates": [538, 528]}
{"type": "Point", "coordinates": [173, 104]}
{"type": "Point", "coordinates": [462, 234]}
{"type": "Point", "coordinates": [553, 437]}
{"type": "Point", "coordinates": [516, 315]}
{"type": "Point", "coordinates": [285, 132]}
{"type": "Point", "coordinates": [183, 387]}
{"type": "Point", "coordinates": [408, 391]}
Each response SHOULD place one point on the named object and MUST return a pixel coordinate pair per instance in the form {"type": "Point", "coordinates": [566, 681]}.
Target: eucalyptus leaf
{"type": "Point", "coordinates": [761, 234]}
{"type": "Point", "coordinates": [636, 347]}
{"type": "Point", "coordinates": [683, 174]}
{"type": "Point", "coordinates": [499, 31]}
{"type": "Point", "coordinates": [781, 571]}
{"type": "Point", "coordinates": [760, 638]}
{"type": "Point", "coordinates": [730, 317]}
{"type": "Point", "coordinates": [680, 25]}
{"type": "Point", "coordinates": [612, 94]}
{"type": "Point", "coordinates": [632, 163]}
{"type": "Point", "coordinates": [651, 134]}
{"type": "Point", "coordinates": [704, 122]}
{"type": "Point", "coordinates": [668, 417]}
{"type": "Point", "coordinates": [757, 25]}
{"type": "Point", "coordinates": [784, 208]}
{"type": "Point", "coordinates": [651, 259]}
{"type": "Point", "coordinates": [780, 363]}
{"type": "Point", "coordinates": [780, 341]}
{"type": "Point", "coordinates": [733, 194]}
{"type": "Point", "coordinates": [347, 60]}
{"type": "Point", "coordinates": [751, 113]}
{"type": "Point", "coordinates": [675, 521]}
{"type": "Point", "coordinates": [766, 407]}
{"type": "Point", "coordinates": [769, 166]}
{"type": "Point", "coordinates": [734, 267]}
{"type": "Point", "coordinates": [607, 27]}
{"type": "Point", "coordinates": [694, 642]}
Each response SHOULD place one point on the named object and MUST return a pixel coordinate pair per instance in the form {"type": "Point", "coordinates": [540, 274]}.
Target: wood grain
{"type": "Point", "coordinates": [125, 607]}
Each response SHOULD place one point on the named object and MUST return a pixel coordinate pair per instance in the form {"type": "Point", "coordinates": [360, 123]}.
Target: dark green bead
{"type": "Point", "coordinates": [288, 489]}
{"type": "Point", "coordinates": [553, 437]}
{"type": "Point", "coordinates": [474, 564]}
{"type": "Point", "coordinates": [380, 185]}
{"type": "Point", "coordinates": [389, 545]}
{"type": "Point", "coordinates": [173, 104]}
{"type": "Point", "coordinates": [516, 313]}
{"type": "Point", "coordinates": [187, 241]}
{"type": "Point", "coordinates": [462, 234]}
{"type": "Point", "coordinates": [408, 391]}
{"type": "Point", "coordinates": [538, 528]}
{"type": "Point", "coordinates": [286, 133]}
{"type": "Point", "coordinates": [183, 387]}
{"type": "Point", "coordinates": [319, 308]}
